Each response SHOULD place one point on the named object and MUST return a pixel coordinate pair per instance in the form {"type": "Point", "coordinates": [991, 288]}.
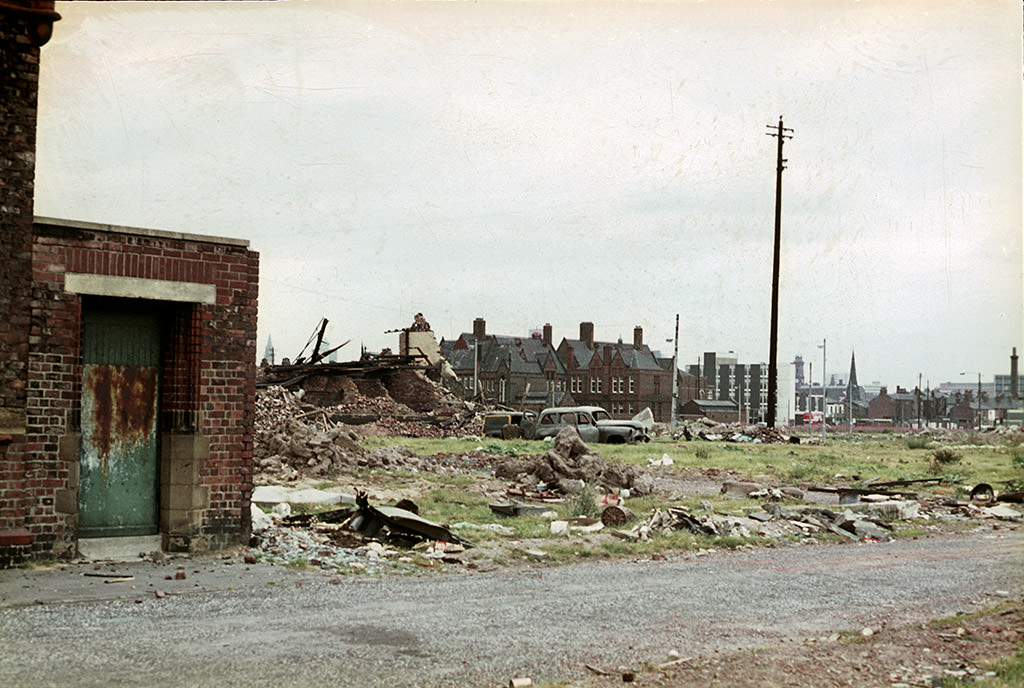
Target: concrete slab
{"type": "Point", "coordinates": [118, 548]}
{"type": "Point", "coordinates": [269, 495]}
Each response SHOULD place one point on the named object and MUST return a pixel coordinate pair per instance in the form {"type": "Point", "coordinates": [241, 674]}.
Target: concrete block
{"type": "Point", "coordinates": [118, 548]}
{"type": "Point", "coordinates": [69, 448]}
{"type": "Point", "coordinates": [183, 521]}
{"type": "Point", "coordinates": [184, 496]}
{"type": "Point", "coordinates": [66, 501]}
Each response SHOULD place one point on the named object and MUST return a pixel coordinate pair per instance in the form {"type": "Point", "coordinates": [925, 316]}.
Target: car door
{"type": "Point", "coordinates": [587, 428]}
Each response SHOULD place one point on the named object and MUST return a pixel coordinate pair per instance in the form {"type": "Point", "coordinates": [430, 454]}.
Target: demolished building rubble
{"type": "Point", "coordinates": [298, 439]}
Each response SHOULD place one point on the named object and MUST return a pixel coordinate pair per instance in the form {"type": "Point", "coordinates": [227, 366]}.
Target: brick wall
{"type": "Point", "coordinates": [208, 374]}
{"type": "Point", "coordinates": [19, 74]}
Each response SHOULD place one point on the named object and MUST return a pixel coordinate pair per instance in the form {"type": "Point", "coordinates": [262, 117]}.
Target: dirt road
{"type": "Point", "coordinates": [482, 629]}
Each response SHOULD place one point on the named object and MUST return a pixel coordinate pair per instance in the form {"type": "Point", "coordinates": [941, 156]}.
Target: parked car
{"type": "Point", "coordinates": [593, 424]}
{"type": "Point", "coordinates": [494, 421]}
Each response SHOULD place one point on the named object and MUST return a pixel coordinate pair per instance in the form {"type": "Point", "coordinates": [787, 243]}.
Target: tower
{"type": "Point", "coordinates": [854, 393]}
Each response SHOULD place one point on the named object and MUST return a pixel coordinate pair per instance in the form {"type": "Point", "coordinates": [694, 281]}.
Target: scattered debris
{"type": "Point", "coordinates": [570, 459]}
{"type": "Point", "coordinates": [398, 524]}
{"type": "Point", "coordinates": [519, 509]}
{"type": "Point", "coordinates": [615, 515]}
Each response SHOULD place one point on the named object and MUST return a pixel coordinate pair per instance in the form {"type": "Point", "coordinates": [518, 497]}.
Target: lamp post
{"type": "Point", "coordinates": [978, 400]}
{"type": "Point", "coordinates": [675, 376]}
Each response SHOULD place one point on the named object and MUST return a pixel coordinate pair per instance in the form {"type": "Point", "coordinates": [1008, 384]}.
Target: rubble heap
{"type": "Point", "coordinates": [707, 429]}
{"type": "Point", "coordinates": [286, 445]}
{"type": "Point", "coordinates": [569, 461]}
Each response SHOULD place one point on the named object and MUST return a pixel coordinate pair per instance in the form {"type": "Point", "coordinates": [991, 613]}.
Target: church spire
{"type": "Point", "coordinates": [854, 392]}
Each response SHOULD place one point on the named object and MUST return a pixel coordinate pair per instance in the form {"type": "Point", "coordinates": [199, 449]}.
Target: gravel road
{"type": "Point", "coordinates": [481, 629]}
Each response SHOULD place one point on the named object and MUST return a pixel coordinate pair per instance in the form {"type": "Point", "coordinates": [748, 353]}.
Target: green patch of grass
{"type": "Point", "coordinates": [299, 563]}
{"type": "Point", "coordinates": [910, 531]}
{"type": "Point", "coordinates": [1009, 672]}
{"type": "Point", "coordinates": [917, 443]}
{"type": "Point", "coordinates": [37, 564]}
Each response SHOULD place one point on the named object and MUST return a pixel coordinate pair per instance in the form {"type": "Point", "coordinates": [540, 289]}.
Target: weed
{"type": "Point", "coordinates": [583, 504]}
{"type": "Point", "coordinates": [1009, 671]}
{"type": "Point", "coordinates": [1017, 458]}
{"type": "Point", "coordinates": [917, 443]}
{"type": "Point", "coordinates": [944, 456]}
{"type": "Point", "coordinates": [910, 532]}
{"type": "Point", "coordinates": [702, 453]}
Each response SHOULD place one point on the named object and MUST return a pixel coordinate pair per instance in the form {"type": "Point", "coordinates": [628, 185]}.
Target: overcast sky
{"type": "Point", "coordinates": [556, 162]}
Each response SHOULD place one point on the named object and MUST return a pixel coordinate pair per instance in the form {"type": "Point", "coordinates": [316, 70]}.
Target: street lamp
{"type": "Point", "coordinates": [978, 400]}
{"type": "Point", "coordinates": [675, 377]}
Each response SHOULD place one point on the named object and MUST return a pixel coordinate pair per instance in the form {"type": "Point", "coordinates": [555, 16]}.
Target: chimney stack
{"type": "Point", "coordinates": [547, 333]}
{"type": "Point", "coordinates": [638, 337]}
{"type": "Point", "coordinates": [587, 334]}
{"type": "Point", "coordinates": [479, 328]}
{"type": "Point", "coordinates": [1014, 382]}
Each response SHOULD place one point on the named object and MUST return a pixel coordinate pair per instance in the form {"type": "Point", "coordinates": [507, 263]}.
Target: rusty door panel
{"type": "Point", "coordinates": [120, 388]}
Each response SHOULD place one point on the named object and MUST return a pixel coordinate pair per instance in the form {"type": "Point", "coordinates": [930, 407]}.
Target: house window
{"type": "Point", "coordinates": [593, 385]}
{"type": "Point", "coordinates": [503, 390]}
{"type": "Point", "coordinates": [632, 385]}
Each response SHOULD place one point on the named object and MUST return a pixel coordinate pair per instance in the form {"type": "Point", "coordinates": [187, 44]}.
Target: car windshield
{"type": "Point", "coordinates": [601, 414]}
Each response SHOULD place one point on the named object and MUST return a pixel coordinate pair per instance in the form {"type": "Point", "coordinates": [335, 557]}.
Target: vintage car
{"type": "Point", "coordinates": [494, 421]}
{"type": "Point", "coordinates": [593, 424]}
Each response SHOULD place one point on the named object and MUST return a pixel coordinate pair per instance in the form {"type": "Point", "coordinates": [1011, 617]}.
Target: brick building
{"type": "Point", "coordinates": [622, 377]}
{"type": "Point", "coordinates": [127, 360]}
{"type": "Point", "coordinates": [141, 385]}
{"type": "Point", "coordinates": [24, 27]}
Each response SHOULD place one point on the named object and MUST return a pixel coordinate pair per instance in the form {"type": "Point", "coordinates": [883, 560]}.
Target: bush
{"type": "Point", "coordinates": [943, 458]}
{"type": "Point", "coordinates": [583, 504]}
{"type": "Point", "coordinates": [1017, 457]}
{"type": "Point", "coordinates": [917, 443]}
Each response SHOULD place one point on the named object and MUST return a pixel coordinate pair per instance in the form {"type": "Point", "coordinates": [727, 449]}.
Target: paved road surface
{"type": "Point", "coordinates": [62, 629]}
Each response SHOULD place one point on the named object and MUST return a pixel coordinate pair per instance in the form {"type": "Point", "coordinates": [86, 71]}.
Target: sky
{"type": "Point", "coordinates": [560, 162]}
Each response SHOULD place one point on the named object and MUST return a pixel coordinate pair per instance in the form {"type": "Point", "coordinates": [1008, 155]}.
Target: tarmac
{"type": "Point", "coordinates": [140, 578]}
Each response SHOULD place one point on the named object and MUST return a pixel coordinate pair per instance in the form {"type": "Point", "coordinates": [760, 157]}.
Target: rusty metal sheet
{"type": "Point", "coordinates": [118, 494]}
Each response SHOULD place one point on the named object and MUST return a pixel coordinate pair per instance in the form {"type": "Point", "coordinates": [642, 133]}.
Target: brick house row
{"type": "Point", "coordinates": [531, 372]}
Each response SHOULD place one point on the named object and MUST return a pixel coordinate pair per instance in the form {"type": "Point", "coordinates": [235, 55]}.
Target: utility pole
{"type": "Point", "coordinates": [773, 355]}
{"type": "Point", "coordinates": [675, 377]}
{"type": "Point", "coordinates": [824, 392]}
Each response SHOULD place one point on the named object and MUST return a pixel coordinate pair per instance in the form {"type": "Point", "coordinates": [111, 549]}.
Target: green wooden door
{"type": "Point", "coordinates": [119, 479]}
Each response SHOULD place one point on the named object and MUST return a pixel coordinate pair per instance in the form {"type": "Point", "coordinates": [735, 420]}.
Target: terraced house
{"type": "Point", "coordinates": [531, 372]}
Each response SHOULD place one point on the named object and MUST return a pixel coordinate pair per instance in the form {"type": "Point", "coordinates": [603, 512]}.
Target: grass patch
{"type": "Point", "coordinates": [910, 532]}
{"type": "Point", "coordinates": [1009, 672]}
{"type": "Point", "coordinates": [38, 564]}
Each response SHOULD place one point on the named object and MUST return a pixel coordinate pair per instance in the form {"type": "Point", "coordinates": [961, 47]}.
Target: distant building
{"type": "Point", "coordinates": [268, 351]}
{"type": "Point", "coordinates": [722, 411]}
{"type": "Point", "coordinates": [746, 385]}
{"type": "Point", "coordinates": [531, 372]}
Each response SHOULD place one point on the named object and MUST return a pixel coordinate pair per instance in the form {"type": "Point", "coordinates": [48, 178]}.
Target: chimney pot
{"type": "Point", "coordinates": [638, 337]}
{"type": "Point", "coordinates": [587, 334]}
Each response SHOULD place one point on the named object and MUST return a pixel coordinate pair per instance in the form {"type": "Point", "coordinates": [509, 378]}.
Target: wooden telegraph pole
{"type": "Point", "coordinates": [773, 355]}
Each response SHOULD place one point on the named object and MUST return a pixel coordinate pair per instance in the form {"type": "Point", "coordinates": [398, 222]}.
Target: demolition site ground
{"type": "Point", "coordinates": [515, 504]}
{"type": "Point", "coordinates": [717, 555]}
